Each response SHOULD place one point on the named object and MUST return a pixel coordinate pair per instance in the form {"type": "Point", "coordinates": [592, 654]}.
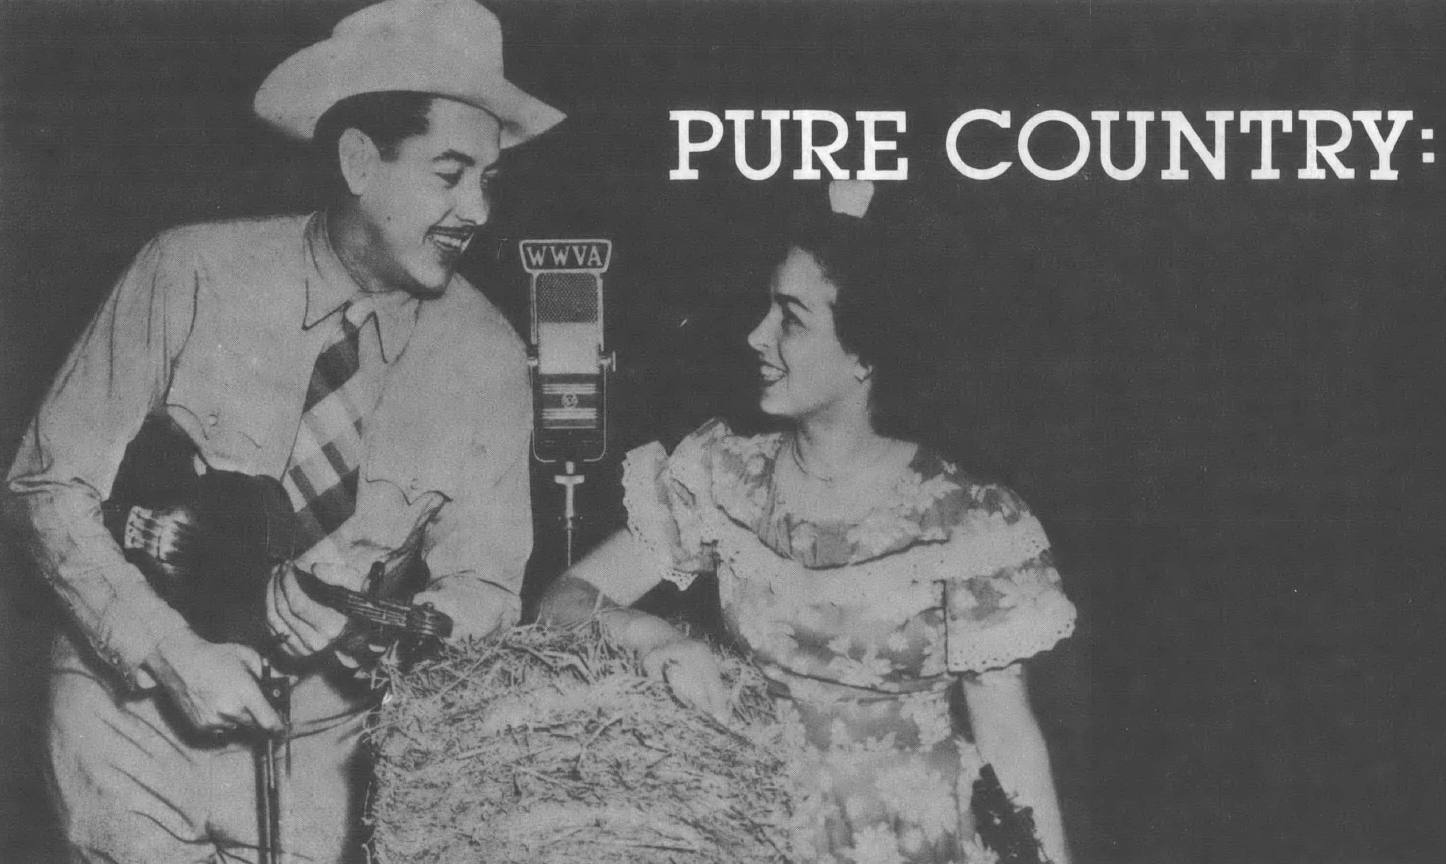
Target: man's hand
{"type": "Point", "coordinates": [303, 625]}
{"type": "Point", "coordinates": [691, 671]}
{"type": "Point", "coordinates": [214, 686]}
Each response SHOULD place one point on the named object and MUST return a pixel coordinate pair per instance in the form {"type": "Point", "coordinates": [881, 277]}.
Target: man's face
{"type": "Point", "coordinates": [421, 208]}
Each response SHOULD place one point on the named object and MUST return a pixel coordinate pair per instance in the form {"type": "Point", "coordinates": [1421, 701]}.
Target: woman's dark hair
{"type": "Point", "coordinates": [387, 118]}
{"type": "Point", "coordinates": [900, 307]}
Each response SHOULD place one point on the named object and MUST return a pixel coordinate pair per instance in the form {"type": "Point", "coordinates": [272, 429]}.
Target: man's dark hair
{"type": "Point", "coordinates": [387, 118]}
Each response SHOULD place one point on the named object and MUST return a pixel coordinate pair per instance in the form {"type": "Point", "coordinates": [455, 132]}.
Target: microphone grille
{"type": "Point", "coordinates": [567, 297]}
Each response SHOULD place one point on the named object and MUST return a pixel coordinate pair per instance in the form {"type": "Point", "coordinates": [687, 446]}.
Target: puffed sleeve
{"type": "Point", "coordinates": [1003, 599]}
{"type": "Point", "coordinates": [668, 499]}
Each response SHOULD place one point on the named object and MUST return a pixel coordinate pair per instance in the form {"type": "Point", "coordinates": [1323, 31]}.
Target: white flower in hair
{"type": "Point", "coordinates": [850, 197]}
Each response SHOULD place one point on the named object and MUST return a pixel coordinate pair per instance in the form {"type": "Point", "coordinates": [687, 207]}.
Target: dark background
{"type": "Point", "coordinates": [1224, 398]}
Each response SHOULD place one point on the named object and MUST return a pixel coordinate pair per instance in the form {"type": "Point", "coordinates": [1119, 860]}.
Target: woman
{"type": "Point", "coordinates": [863, 572]}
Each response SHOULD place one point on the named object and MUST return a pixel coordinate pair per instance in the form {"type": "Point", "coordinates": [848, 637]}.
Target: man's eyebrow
{"type": "Point", "coordinates": [456, 156]}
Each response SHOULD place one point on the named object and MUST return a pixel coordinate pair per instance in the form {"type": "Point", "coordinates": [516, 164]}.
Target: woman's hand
{"type": "Point", "coordinates": [691, 671]}
{"type": "Point", "coordinates": [616, 574]}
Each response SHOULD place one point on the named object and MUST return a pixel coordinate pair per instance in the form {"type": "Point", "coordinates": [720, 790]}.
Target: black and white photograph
{"type": "Point", "coordinates": [710, 431]}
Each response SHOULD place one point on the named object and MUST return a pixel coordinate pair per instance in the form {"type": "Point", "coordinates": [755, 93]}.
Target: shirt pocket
{"type": "Point", "coordinates": [416, 453]}
{"type": "Point", "coordinates": [228, 400]}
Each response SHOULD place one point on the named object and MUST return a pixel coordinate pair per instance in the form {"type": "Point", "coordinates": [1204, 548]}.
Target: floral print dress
{"type": "Point", "coordinates": [858, 626]}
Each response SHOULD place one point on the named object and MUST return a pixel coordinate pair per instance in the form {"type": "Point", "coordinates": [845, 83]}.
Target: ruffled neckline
{"type": "Point", "coordinates": [930, 497]}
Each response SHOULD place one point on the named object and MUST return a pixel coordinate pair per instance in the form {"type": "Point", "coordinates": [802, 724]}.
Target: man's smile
{"type": "Point", "coordinates": [452, 241]}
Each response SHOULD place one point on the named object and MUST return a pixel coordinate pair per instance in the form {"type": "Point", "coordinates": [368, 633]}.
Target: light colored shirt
{"type": "Point", "coordinates": [219, 325]}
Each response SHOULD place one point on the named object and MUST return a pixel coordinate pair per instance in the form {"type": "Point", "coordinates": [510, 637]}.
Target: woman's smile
{"type": "Point", "coordinates": [803, 370]}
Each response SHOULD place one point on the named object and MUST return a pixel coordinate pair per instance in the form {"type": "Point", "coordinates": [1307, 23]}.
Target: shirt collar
{"type": "Point", "coordinates": [329, 287]}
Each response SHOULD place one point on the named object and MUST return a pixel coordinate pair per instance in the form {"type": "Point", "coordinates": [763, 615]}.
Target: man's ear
{"type": "Point", "coordinates": [358, 158]}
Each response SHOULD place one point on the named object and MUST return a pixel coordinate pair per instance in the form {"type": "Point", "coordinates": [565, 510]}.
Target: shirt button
{"type": "Point", "coordinates": [211, 419]}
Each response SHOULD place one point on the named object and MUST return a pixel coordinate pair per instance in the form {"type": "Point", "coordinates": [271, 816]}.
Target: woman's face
{"type": "Point", "coordinates": [804, 372]}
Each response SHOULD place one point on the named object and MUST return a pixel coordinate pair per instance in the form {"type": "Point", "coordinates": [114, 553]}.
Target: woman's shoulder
{"type": "Point", "coordinates": [712, 465]}
{"type": "Point", "coordinates": [716, 450]}
{"type": "Point", "coordinates": [717, 436]}
{"type": "Point", "coordinates": [981, 525]}
{"type": "Point", "coordinates": [947, 498]}
{"type": "Point", "coordinates": [713, 444]}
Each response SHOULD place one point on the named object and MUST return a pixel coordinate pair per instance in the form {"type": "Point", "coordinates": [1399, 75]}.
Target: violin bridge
{"type": "Point", "coordinates": [140, 532]}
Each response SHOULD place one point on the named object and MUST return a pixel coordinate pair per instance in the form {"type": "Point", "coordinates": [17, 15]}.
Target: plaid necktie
{"type": "Point", "coordinates": [321, 479]}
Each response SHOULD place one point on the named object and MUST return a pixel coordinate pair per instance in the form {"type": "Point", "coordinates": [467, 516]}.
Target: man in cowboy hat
{"type": "Point", "coordinates": [339, 352]}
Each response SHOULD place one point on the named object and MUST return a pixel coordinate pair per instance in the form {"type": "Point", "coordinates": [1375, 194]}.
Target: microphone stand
{"type": "Point", "coordinates": [569, 480]}
{"type": "Point", "coordinates": [277, 689]}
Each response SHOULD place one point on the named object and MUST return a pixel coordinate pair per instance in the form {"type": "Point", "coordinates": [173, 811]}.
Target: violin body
{"type": "Point", "coordinates": [208, 542]}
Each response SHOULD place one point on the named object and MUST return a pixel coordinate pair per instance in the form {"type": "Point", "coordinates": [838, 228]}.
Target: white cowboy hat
{"type": "Point", "coordinates": [452, 48]}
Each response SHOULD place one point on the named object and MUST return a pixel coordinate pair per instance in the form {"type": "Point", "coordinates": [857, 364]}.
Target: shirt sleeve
{"type": "Point", "coordinates": [667, 499]}
{"type": "Point", "coordinates": [1003, 598]}
{"type": "Point", "coordinates": [70, 453]}
{"type": "Point", "coordinates": [478, 546]}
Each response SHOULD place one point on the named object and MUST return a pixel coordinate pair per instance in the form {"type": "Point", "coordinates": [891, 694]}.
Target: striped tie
{"type": "Point", "coordinates": [321, 479]}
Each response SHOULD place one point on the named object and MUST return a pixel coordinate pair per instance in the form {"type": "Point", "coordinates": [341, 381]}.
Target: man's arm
{"type": "Point", "coordinates": [65, 466]}
{"type": "Point", "coordinates": [478, 545]}
{"type": "Point", "coordinates": [477, 551]}
{"type": "Point", "coordinates": [72, 449]}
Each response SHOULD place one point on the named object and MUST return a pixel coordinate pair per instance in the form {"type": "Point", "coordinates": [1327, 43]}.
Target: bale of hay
{"type": "Point", "coordinates": [551, 745]}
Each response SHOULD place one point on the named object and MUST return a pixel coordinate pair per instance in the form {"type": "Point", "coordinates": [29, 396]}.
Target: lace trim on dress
{"type": "Point", "coordinates": [648, 515]}
{"type": "Point", "coordinates": [1003, 600]}
{"type": "Point", "coordinates": [689, 488]}
{"type": "Point", "coordinates": [981, 549]}
{"type": "Point", "coordinates": [1027, 631]}
{"type": "Point", "coordinates": [999, 596]}
{"type": "Point", "coordinates": [932, 502]}
{"type": "Point", "coordinates": [929, 498]}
